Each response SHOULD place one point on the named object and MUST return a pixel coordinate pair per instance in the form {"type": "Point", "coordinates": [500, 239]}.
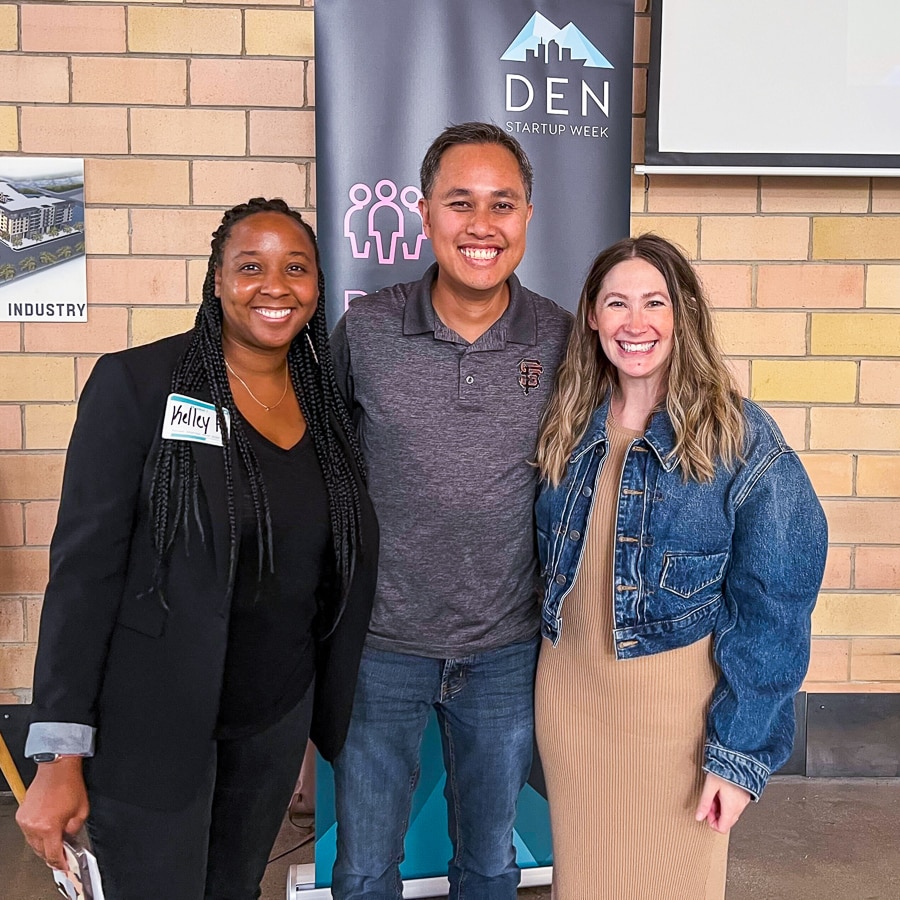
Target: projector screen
{"type": "Point", "coordinates": [774, 85]}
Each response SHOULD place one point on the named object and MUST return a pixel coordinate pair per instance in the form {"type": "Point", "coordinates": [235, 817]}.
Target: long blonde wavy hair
{"type": "Point", "coordinates": [702, 399]}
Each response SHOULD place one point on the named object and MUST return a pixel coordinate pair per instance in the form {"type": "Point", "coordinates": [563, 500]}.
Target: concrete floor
{"type": "Point", "coordinates": [809, 839]}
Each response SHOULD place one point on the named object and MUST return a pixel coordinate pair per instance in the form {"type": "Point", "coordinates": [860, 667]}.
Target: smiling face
{"type": "Point", "coordinates": [267, 282]}
{"type": "Point", "coordinates": [476, 219]}
{"type": "Point", "coordinates": [634, 320]}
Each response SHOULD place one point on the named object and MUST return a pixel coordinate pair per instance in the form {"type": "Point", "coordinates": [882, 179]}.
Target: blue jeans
{"type": "Point", "coordinates": [485, 708]}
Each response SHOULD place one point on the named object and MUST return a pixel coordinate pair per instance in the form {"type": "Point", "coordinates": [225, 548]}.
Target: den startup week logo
{"type": "Point", "coordinates": [583, 101]}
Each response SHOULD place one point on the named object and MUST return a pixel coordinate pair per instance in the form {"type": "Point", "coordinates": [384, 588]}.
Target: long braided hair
{"type": "Point", "coordinates": [175, 487]}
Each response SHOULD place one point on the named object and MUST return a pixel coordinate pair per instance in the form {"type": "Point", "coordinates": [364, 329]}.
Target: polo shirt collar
{"type": "Point", "coordinates": [517, 325]}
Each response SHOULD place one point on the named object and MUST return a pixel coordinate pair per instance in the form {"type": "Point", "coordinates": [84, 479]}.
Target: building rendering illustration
{"type": "Point", "coordinates": [31, 218]}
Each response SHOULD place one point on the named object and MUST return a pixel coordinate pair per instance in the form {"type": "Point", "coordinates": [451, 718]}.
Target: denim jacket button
{"type": "Point", "coordinates": [574, 535]}
{"type": "Point", "coordinates": [560, 579]}
{"type": "Point", "coordinates": [588, 491]}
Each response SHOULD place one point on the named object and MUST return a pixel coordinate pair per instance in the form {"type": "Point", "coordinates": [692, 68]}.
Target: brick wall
{"type": "Point", "coordinates": [184, 109]}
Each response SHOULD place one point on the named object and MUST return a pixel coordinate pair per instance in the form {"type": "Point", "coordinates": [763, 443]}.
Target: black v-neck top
{"type": "Point", "coordinates": [270, 661]}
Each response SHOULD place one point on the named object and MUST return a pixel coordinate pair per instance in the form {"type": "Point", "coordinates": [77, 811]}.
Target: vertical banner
{"type": "Point", "coordinates": [392, 74]}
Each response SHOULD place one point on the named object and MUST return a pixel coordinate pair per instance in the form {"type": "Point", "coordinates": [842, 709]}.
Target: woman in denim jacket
{"type": "Point", "coordinates": [683, 548]}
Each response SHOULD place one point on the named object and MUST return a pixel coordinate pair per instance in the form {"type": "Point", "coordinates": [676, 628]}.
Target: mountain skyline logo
{"type": "Point", "coordinates": [540, 31]}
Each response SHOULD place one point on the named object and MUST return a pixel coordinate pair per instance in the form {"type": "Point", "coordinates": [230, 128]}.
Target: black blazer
{"type": "Point", "coordinates": [110, 655]}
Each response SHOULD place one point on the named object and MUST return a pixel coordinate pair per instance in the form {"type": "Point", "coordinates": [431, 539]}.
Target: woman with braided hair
{"type": "Point", "coordinates": [210, 585]}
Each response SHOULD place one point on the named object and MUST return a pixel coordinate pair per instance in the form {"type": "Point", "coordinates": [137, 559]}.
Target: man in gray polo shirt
{"type": "Point", "coordinates": [447, 378]}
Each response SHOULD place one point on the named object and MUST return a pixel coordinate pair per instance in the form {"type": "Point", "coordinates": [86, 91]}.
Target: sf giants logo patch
{"type": "Point", "coordinates": [530, 371]}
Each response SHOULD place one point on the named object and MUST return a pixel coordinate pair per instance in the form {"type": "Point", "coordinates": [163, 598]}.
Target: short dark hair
{"type": "Point", "coordinates": [473, 133]}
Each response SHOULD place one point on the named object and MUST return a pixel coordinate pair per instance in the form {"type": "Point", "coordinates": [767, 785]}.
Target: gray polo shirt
{"type": "Point", "coordinates": [448, 429]}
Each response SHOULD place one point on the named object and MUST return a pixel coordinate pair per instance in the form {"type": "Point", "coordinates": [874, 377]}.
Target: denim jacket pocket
{"type": "Point", "coordinates": [685, 574]}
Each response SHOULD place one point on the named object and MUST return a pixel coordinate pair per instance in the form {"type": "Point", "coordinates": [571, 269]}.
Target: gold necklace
{"type": "Point", "coordinates": [253, 396]}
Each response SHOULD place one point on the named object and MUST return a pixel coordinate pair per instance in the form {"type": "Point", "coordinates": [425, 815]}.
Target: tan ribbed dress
{"type": "Point", "coordinates": [622, 741]}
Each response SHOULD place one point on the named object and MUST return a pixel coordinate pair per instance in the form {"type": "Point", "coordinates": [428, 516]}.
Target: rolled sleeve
{"type": "Point", "coordinates": [68, 738]}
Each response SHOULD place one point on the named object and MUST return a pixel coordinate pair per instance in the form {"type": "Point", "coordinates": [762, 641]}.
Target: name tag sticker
{"type": "Point", "coordinates": [188, 419]}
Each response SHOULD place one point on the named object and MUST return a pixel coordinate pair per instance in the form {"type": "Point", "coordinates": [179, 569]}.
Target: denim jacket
{"type": "Point", "coordinates": [740, 558]}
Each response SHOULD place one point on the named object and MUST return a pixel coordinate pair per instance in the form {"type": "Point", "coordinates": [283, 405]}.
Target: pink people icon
{"type": "Point", "coordinates": [410, 197]}
{"type": "Point", "coordinates": [360, 195]}
{"type": "Point", "coordinates": [388, 224]}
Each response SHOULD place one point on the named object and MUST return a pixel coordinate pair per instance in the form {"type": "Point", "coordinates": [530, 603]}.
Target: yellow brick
{"type": "Point", "coordinates": [726, 286]}
{"type": "Point", "coordinates": [188, 132]}
{"type": "Point", "coordinates": [885, 195]}
{"type": "Point", "coordinates": [879, 381]}
{"type": "Point", "coordinates": [702, 194]}
{"type": "Point", "coordinates": [855, 334]}
{"type": "Point", "coordinates": [106, 230]}
{"type": "Point", "coordinates": [174, 232]}
{"type": "Point", "coordinates": [754, 237]}
{"type": "Point", "coordinates": [830, 473]}
{"type": "Point", "coordinates": [840, 428]}
{"type": "Point", "coordinates": [829, 660]}
{"type": "Point", "coordinates": [856, 237]}
{"type": "Point", "coordinates": [9, 21]}
{"type": "Point", "coordinates": [803, 285]}
{"type": "Point", "coordinates": [762, 333]}
{"type": "Point", "coordinates": [151, 182]}
{"type": "Point", "coordinates": [48, 427]}
{"type": "Point", "coordinates": [174, 30]}
{"type": "Point", "coordinates": [875, 660]}
{"type": "Point", "coordinates": [878, 476]}
{"type": "Point", "coordinates": [9, 128]}
{"type": "Point", "coordinates": [805, 380]}
{"type": "Point", "coordinates": [149, 325]}
{"type": "Point", "coordinates": [31, 476]}
{"type": "Point", "coordinates": [792, 422]}
{"type": "Point", "coordinates": [681, 230]}
{"type": "Point", "coordinates": [812, 195]}
{"type": "Point", "coordinates": [863, 521]}
{"type": "Point", "coordinates": [883, 286]}
{"type": "Point", "coordinates": [279, 32]}
{"type": "Point", "coordinates": [852, 614]}
{"type": "Point", "coordinates": [225, 183]}
{"type": "Point", "coordinates": [29, 377]}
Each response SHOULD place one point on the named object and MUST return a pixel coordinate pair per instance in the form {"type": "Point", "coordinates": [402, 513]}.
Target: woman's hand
{"type": "Point", "coordinates": [721, 803]}
{"type": "Point", "coordinates": [54, 805]}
